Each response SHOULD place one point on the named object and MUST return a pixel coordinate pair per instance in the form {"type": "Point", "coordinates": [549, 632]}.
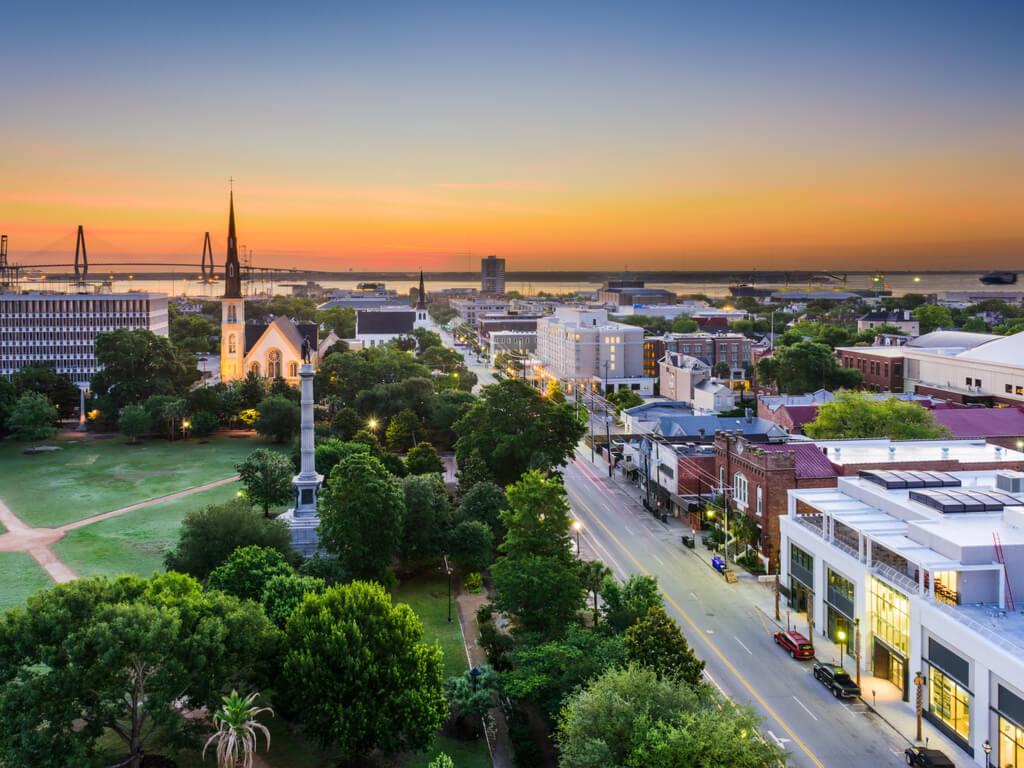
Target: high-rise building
{"type": "Point", "coordinates": [492, 276]}
{"type": "Point", "coordinates": [59, 329]}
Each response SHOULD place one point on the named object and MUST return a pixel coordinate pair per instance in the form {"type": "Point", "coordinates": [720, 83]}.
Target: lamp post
{"type": "Point", "coordinates": [577, 526]}
{"type": "Point", "coordinates": [987, 749]}
{"type": "Point", "coordinates": [842, 647]}
{"type": "Point", "coordinates": [184, 429]}
{"type": "Point", "coordinates": [450, 571]}
{"type": "Point", "coordinates": [475, 673]}
{"type": "Point", "coordinates": [856, 646]}
{"type": "Point", "coordinates": [919, 705]}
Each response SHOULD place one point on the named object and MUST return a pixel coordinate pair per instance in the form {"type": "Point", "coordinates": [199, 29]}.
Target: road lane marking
{"type": "Point", "coordinates": [660, 561]}
{"type": "Point", "coordinates": [712, 646]}
{"type": "Point", "coordinates": [742, 645]}
{"type": "Point", "coordinates": [761, 617]}
{"type": "Point", "coordinates": [805, 708]}
{"type": "Point", "coordinates": [694, 595]}
{"type": "Point", "coordinates": [628, 529]}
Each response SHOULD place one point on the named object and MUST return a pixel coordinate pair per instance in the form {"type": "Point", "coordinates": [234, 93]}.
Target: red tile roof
{"type": "Point", "coordinates": [982, 422]}
{"type": "Point", "coordinates": [810, 461]}
{"type": "Point", "coordinates": [802, 414]}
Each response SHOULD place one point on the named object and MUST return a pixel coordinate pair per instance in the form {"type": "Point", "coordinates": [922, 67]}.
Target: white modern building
{"type": "Point", "coordinates": [582, 347]}
{"type": "Point", "coordinates": [920, 574]}
{"type": "Point", "coordinates": [472, 308]}
{"type": "Point", "coordinates": [59, 329]}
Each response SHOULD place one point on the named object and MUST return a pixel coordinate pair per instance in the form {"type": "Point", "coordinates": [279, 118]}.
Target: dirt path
{"type": "Point", "coordinates": [36, 541]}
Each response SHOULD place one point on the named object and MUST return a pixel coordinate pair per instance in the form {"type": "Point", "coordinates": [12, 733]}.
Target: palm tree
{"type": "Point", "coordinates": [236, 731]}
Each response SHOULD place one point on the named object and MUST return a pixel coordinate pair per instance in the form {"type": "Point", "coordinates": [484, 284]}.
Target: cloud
{"type": "Point", "coordinates": [508, 185]}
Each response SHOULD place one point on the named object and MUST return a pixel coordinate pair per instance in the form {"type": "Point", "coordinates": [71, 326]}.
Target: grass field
{"type": "Point", "coordinates": [134, 542]}
{"type": "Point", "coordinates": [427, 595]}
{"type": "Point", "coordinates": [94, 476]}
{"type": "Point", "coordinates": [20, 576]}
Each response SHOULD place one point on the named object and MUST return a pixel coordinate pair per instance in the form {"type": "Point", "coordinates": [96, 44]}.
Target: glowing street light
{"type": "Point", "coordinates": [577, 526]}
{"type": "Point", "coordinates": [372, 423]}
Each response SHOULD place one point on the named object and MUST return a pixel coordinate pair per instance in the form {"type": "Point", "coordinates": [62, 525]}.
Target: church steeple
{"type": "Point", "coordinates": [232, 269]}
{"type": "Point", "coordinates": [421, 299]}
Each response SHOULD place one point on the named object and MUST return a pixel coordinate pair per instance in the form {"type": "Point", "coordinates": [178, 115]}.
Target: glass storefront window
{"type": "Point", "coordinates": [840, 585]}
{"type": "Point", "coordinates": [1011, 745]}
{"type": "Point", "coordinates": [949, 702]}
{"type": "Point", "coordinates": [800, 557]}
{"type": "Point", "coordinates": [890, 616]}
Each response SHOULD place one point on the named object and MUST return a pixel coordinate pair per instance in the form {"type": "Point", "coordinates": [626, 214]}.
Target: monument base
{"type": "Point", "coordinates": [303, 528]}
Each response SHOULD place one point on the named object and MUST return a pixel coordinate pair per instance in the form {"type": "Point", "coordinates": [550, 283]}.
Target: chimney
{"type": "Point", "coordinates": [824, 449]}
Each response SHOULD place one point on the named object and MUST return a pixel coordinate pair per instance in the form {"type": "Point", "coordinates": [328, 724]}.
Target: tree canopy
{"type": "Point", "coordinates": [33, 417]}
{"type": "Point", "coordinates": [423, 460]}
{"type": "Point", "coordinates": [514, 429]}
{"type": "Point", "coordinates": [136, 364]}
{"type": "Point", "coordinates": [855, 415]}
{"type": "Point", "coordinates": [806, 366]}
{"type": "Point", "coordinates": [279, 418]}
{"type": "Point", "coordinates": [656, 641]}
{"type": "Point", "coordinates": [363, 678]}
{"type": "Point", "coordinates": [931, 317]}
{"type": "Point", "coordinates": [428, 516]}
{"type": "Point", "coordinates": [267, 477]}
{"type": "Point", "coordinates": [247, 571]}
{"type": "Point", "coordinates": [127, 654]}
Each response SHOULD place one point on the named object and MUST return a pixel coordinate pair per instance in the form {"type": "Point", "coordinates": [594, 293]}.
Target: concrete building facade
{"type": "Point", "coordinates": [492, 276]}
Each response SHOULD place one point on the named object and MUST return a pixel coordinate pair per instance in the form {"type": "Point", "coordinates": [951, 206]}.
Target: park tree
{"type": "Point", "coordinates": [134, 656]}
{"type": "Point", "coordinates": [247, 571]}
{"type": "Point", "coordinates": [195, 333]}
{"type": "Point", "coordinates": [471, 544]}
{"type": "Point", "coordinates": [279, 418]}
{"type": "Point", "coordinates": [483, 503]}
{"type": "Point", "coordinates": [204, 422]}
{"type": "Point", "coordinates": [237, 730]}
{"type": "Point", "coordinates": [471, 696]}
{"type": "Point", "coordinates": [32, 418]}
{"type": "Point", "coordinates": [856, 415]}
{"type": "Point", "coordinates": [136, 364]}
{"type": "Point", "coordinates": [341, 320]}
{"type": "Point", "coordinates": [625, 604]}
{"type": "Point", "coordinates": [283, 593]}
{"type": "Point", "coordinates": [629, 717]}
{"type": "Point", "coordinates": [656, 641]}
{"type": "Point", "coordinates": [536, 576]}
{"type": "Point", "coordinates": [134, 421]}
{"type": "Point", "coordinates": [361, 513]}
{"type": "Point", "coordinates": [251, 390]}
{"type": "Point", "coordinates": [8, 396]}
{"type": "Point", "coordinates": [806, 366]}
{"type": "Point", "coordinates": [931, 317]}
{"type": "Point", "coordinates": [367, 680]}
{"type": "Point", "coordinates": [404, 430]}
{"type": "Point", "coordinates": [428, 516]}
{"type": "Point", "coordinates": [592, 577]}
{"type": "Point", "coordinates": [472, 471]}
{"type": "Point", "coordinates": [346, 423]}
{"type": "Point", "coordinates": [57, 387]}
{"type": "Point", "coordinates": [329, 453]}
{"type": "Point", "coordinates": [546, 672]}
{"type": "Point", "coordinates": [209, 536]}
{"type": "Point", "coordinates": [515, 429]}
{"type": "Point", "coordinates": [423, 460]}
{"type": "Point", "coordinates": [267, 477]}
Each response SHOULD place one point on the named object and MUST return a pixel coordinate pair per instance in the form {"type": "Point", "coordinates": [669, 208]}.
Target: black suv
{"type": "Point", "coordinates": [836, 680]}
{"type": "Point", "coordinates": [927, 758]}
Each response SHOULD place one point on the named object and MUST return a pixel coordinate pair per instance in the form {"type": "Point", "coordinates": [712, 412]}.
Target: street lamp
{"type": "Point", "coordinates": [184, 429]}
{"type": "Point", "coordinates": [577, 526]}
{"type": "Point", "coordinates": [475, 674]}
{"type": "Point", "coordinates": [987, 749]}
{"type": "Point", "coordinates": [372, 424]}
{"type": "Point", "coordinates": [856, 646]}
{"type": "Point", "coordinates": [450, 571]}
{"type": "Point", "coordinates": [842, 645]}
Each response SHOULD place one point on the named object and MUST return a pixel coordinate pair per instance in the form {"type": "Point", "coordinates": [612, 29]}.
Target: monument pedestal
{"type": "Point", "coordinates": [302, 519]}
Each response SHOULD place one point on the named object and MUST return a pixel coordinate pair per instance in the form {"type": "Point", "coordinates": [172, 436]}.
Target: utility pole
{"type": "Point", "coordinates": [590, 418]}
{"type": "Point", "coordinates": [608, 436]}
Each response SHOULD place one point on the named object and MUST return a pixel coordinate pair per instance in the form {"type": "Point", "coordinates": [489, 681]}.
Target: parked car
{"type": "Point", "coordinates": [798, 646]}
{"type": "Point", "coordinates": [836, 680]}
{"type": "Point", "coordinates": [927, 758]}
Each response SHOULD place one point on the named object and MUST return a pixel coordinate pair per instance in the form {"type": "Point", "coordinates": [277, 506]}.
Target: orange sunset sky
{"type": "Point", "coordinates": [658, 136]}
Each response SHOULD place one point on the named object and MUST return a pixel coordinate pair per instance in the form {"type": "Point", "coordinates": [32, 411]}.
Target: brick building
{"type": "Point", "coordinates": [760, 474]}
{"type": "Point", "coordinates": [882, 367]}
{"type": "Point", "coordinates": [733, 348]}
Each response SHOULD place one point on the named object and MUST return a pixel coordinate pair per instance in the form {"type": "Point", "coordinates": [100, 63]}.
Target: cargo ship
{"type": "Point", "coordinates": [999, 278]}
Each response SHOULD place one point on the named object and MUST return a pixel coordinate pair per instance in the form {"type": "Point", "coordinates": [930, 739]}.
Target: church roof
{"type": "Point", "coordinates": [384, 322]}
{"type": "Point", "coordinates": [292, 332]}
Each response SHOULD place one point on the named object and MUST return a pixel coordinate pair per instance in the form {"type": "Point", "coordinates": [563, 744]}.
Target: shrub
{"type": "Point", "coordinates": [474, 582]}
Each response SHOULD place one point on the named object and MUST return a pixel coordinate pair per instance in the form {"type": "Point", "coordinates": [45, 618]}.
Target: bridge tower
{"type": "Point", "coordinates": [207, 270]}
{"type": "Point", "coordinates": [81, 270]}
{"type": "Point", "coordinates": [232, 317]}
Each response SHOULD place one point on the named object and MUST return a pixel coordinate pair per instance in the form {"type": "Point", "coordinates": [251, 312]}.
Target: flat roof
{"type": "Point", "coordinates": [846, 452]}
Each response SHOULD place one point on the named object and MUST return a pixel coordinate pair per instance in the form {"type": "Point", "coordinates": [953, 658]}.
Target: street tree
{"type": "Point", "coordinates": [472, 470]}
{"type": "Point", "coordinates": [483, 503]}
{"type": "Point", "coordinates": [361, 513]}
{"type": "Point", "coordinates": [427, 519]}
{"type": "Point", "coordinates": [931, 317]}
{"type": "Point", "coordinates": [267, 477]}
{"type": "Point", "coordinates": [514, 429]}
{"type": "Point", "coordinates": [131, 656]}
{"type": "Point", "coordinates": [134, 421]}
{"type": "Point", "coordinates": [471, 545]}
{"type": "Point", "coordinates": [423, 460]}
{"type": "Point", "coordinates": [629, 717]}
{"type": "Point", "coordinates": [855, 415]}
{"type": "Point", "coordinates": [279, 418]}
{"type": "Point", "coordinates": [136, 364]}
{"type": "Point", "coordinates": [592, 576]}
{"type": "Point", "coordinates": [32, 418]}
{"type": "Point", "coordinates": [471, 696]}
{"type": "Point", "coordinates": [209, 536]}
{"type": "Point", "coordinates": [247, 571]}
{"type": "Point", "coordinates": [806, 366]}
{"type": "Point", "coordinates": [626, 603]}
{"type": "Point", "coordinates": [656, 641]}
{"type": "Point", "coordinates": [404, 430]}
{"type": "Point", "coordinates": [346, 423]}
{"type": "Point", "coordinates": [329, 453]}
{"type": "Point", "coordinates": [364, 678]}
{"type": "Point", "coordinates": [341, 320]}
{"type": "Point", "coordinates": [57, 387]}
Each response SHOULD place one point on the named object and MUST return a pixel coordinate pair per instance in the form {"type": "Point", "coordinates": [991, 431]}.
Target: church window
{"type": "Point", "coordinates": [232, 316]}
{"type": "Point", "coordinates": [232, 344]}
{"type": "Point", "coordinates": [293, 369]}
{"type": "Point", "coordinates": [273, 363]}
{"type": "Point", "coordinates": [255, 368]}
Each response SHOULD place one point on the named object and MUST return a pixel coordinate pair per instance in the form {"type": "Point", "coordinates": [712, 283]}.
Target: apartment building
{"type": "Point", "coordinates": [60, 329]}
{"type": "Point", "coordinates": [492, 276]}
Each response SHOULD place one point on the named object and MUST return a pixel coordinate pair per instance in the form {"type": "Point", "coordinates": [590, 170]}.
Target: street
{"type": "Point", "coordinates": [726, 629]}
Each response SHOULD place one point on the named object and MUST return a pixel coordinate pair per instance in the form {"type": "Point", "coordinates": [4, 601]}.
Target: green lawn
{"type": "Point", "coordinates": [94, 476]}
{"type": "Point", "coordinates": [465, 754]}
{"type": "Point", "coordinates": [427, 595]}
{"type": "Point", "coordinates": [20, 576]}
{"type": "Point", "coordinates": [134, 542]}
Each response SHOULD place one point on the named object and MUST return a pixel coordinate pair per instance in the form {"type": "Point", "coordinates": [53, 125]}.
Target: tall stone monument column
{"type": "Point", "coordinates": [302, 518]}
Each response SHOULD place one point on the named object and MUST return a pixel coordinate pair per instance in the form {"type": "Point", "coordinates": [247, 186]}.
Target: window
{"type": "Point", "coordinates": [1020, 391]}
{"type": "Point", "coordinates": [721, 477]}
{"type": "Point", "coordinates": [977, 383]}
{"type": "Point", "coordinates": [798, 557]}
{"type": "Point", "coordinates": [1011, 744]}
{"type": "Point", "coordinates": [739, 487]}
{"type": "Point", "coordinates": [949, 702]}
{"type": "Point", "coordinates": [232, 316]}
{"type": "Point", "coordinates": [232, 344]}
{"type": "Point", "coordinates": [255, 368]}
{"type": "Point", "coordinates": [890, 616]}
{"type": "Point", "coordinates": [968, 380]}
{"type": "Point", "coordinates": [760, 504]}
{"type": "Point", "coordinates": [1009, 389]}
{"type": "Point", "coordinates": [293, 369]}
{"type": "Point", "coordinates": [273, 363]}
